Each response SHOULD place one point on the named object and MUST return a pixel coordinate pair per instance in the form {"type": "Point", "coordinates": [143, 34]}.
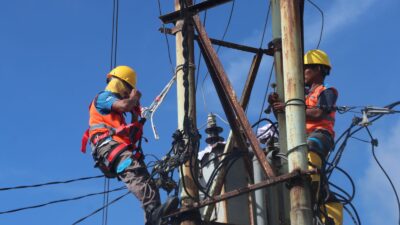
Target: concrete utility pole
{"type": "Point", "coordinates": [279, 194]}
{"type": "Point", "coordinates": [301, 213]}
{"type": "Point", "coordinates": [186, 96]}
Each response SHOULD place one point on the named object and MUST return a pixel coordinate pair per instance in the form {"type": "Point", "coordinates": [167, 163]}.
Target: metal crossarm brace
{"type": "Point", "coordinates": [216, 186]}
{"type": "Point", "coordinates": [235, 113]}
{"type": "Point", "coordinates": [227, 44]}
{"type": "Point", "coordinates": [297, 174]}
{"type": "Point", "coordinates": [174, 16]}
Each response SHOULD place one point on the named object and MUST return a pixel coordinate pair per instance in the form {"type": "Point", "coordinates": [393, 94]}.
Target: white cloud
{"type": "Point", "coordinates": [377, 196]}
{"type": "Point", "coordinates": [341, 14]}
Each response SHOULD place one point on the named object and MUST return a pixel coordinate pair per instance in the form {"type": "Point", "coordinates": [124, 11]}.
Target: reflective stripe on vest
{"type": "Point", "coordinates": [100, 125]}
{"type": "Point", "coordinates": [328, 120]}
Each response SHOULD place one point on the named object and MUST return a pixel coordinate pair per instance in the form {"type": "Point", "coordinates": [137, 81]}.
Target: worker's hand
{"type": "Point", "coordinates": [273, 97]}
{"type": "Point", "coordinates": [278, 107]}
{"type": "Point", "coordinates": [135, 96]}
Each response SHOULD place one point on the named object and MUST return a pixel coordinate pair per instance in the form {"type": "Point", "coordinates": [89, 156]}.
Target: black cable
{"type": "Point", "coordinates": [222, 164]}
{"type": "Point", "coordinates": [265, 25]}
{"type": "Point", "coordinates": [218, 48]}
{"type": "Point", "coordinates": [351, 215]}
{"type": "Point", "coordinates": [214, 158]}
{"type": "Point", "coordinates": [112, 38]}
{"type": "Point", "coordinates": [106, 198]}
{"type": "Point", "coordinates": [99, 209]}
{"type": "Point", "coordinates": [322, 21]}
{"type": "Point", "coordinates": [229, 167]}
{"type": "Point", "coordinates": [376, 117]}
{"type": "Point", "coordinates": [266, 93]}
{"type": "Point", "coordinates": [339, 152]}
{"type": "Point", "coordinates": [166, 39]}
{"type": "Point", "coordinates": [195, 168]}
{"type": "Point", "coordinates": [59, 201]}
{"type": "Point", "coordinates": [353, 186]}
{"type": "Point", "coordinates": [184, 183]}
{"type": "Point", "coordinates": [355, 212]}
{"type": "Point", "coordinates": [50, 183]}
{"type": "Point", "coordinates": [228, 24]}
{"type": "Point", "coordinates": [373, 144]}
{"type": "Point", "coordinates": [348, 133]}
{"type": "Point", "coordinates": [200, 55]}
{"type": "Point", "coordinates": [114, 48]}
{"type": "Point", "coordinates": [359, 139]}
{"type": "Point", "coordinates": [116, 32]}
{"type": "Point", "coordinates": [263, 119]}
{"type": "Point", "coordinates": [348, 198]}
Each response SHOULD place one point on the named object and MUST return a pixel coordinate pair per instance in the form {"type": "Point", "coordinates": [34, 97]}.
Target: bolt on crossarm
{"type": "Point", "coordinates": [301, 213]}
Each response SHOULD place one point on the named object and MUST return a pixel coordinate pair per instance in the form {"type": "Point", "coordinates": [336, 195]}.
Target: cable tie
{"type": "Point", "coordinates": [288, 102]}
{"type": "Point", "coordinates": [295, 148]}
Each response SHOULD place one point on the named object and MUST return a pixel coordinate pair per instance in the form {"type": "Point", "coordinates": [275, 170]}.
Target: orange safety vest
{"type": "Point", "coordinates": [102, 123]}
{"type": "Point", "coordinates": [112, 125]}
{"type": "Point", "coordinates": [328, 121]}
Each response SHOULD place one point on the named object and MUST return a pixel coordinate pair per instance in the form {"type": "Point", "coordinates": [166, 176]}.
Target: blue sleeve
{"type": "Point", "coordinates": [327, 100]}
{"type": "Point", "coordinates": [104, 102]}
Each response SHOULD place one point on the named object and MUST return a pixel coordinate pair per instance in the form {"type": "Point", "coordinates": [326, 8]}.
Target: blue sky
{"type": "Point", "coordinates": [55, 55]}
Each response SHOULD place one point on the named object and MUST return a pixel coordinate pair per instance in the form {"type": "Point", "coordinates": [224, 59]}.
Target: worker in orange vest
{"type": "Point", "coordinates": [320, 103]}
{"type": "Point", "coordinates": [116, 145]}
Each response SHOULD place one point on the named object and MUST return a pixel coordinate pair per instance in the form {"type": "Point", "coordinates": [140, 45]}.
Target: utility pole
{"type": "Point", "coordinates": [186, 104]}
{"type": "Point", "coordinates": [279, 193]}
{"type": "Point", "coordinates": [301, 213]}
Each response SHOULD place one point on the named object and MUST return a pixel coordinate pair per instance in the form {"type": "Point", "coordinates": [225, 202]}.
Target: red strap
{"type": "Point", "coordinates": [116, 151]}
{"type": "Point", "coordinates": [138, 126]}
{"type": "Point", "coordinates": [137, 110]}
{"type": "Point", "coordinates": [101, 137]}
{"type": "Point", "coordinates": [85, 139]}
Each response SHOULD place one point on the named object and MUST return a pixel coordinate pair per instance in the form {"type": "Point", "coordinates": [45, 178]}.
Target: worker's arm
{"type": "Point", "coordinates": [127, 104]}
{"type": "Point", "coordinates": [314, 114]}
{"type": "Point", "coordinates": [326, 104]}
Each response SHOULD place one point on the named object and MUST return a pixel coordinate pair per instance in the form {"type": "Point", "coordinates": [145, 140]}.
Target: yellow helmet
{"type": "Point", "coordinates": [317, 56]}
{"type": "Point", "coordinates": [125, 73]}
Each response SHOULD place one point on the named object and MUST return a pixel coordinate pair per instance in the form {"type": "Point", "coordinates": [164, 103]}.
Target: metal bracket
{"type": "Point", "coordinates": [275, 45]}
{"type": "Point", "coordinates": [194, 9]}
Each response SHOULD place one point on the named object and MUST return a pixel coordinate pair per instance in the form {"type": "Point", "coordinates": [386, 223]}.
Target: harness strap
{"type": "Point", "coordinates": [116, 152]}
{"type": "Point", "coordinates": [85, 139]}
{"type": "Point", "coordinates": [100, 125]}
{"type": "Point", "coordinates": [329, 118]}
{"type": "Point", "coordinates": [136, 133]}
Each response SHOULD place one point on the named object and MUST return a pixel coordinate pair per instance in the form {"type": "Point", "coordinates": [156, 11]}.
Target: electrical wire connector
{"type": "Point", "coordinates": [364, 121]}
{"type": "Point", "coordinates": [370, 111]}
{"type": "Point", "coordinates": [374, 142]}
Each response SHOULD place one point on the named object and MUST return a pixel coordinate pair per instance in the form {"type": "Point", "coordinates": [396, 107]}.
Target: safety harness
{"type": "Point", "coordinates": [135, 132]}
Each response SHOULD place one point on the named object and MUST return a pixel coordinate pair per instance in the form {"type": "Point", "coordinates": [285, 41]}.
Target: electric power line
{"type": "Point", "coordinates": [166, 39]}
{"type": "Point", "coordinates": [218, 48]}
{"type": "Point", "coordinates": [265, 95]}
{"type": "Point", "coordinates": [101, 208]}
{"type": "Point", "coordinates": [373, 144]}
{"type": "Point", "coordinates": [265, 25]}
{"type": "Point", "coordinates": [322, 21]}
{"type": "Point", "coordinates": [59, 201]}
{"type": "Point", "coordinates": [50, 183]}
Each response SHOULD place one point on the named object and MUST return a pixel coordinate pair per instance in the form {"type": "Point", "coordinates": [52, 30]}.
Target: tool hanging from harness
{"type": "Point", "coordinates": [97, 138]}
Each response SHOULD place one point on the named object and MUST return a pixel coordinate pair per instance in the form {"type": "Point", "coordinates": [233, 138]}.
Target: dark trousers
{"type": "Point", "coordinates": [136, 176]}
